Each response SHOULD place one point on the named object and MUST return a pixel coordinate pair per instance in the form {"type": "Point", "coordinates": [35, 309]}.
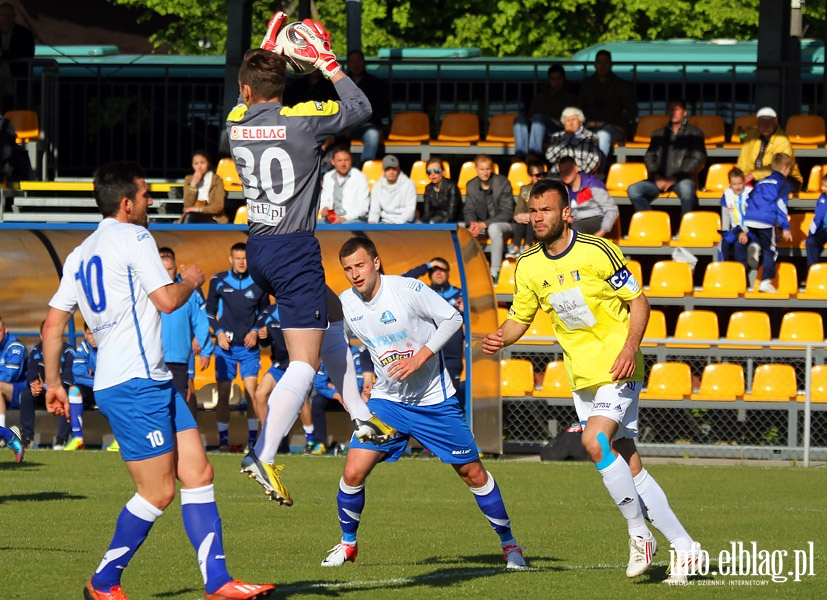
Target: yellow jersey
{"type": "Point", "coordinates": [585, 290]}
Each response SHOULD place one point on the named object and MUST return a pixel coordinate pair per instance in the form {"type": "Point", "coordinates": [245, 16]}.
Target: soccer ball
{"type": "Point", "coordinates": [288, 37]}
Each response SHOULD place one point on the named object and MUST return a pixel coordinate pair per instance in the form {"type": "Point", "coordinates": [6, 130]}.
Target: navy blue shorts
{"type": "Point", "coordinates": [289, 267]}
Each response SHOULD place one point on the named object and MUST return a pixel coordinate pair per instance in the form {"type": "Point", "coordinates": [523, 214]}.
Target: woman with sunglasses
{"type": "Point", "coordinates": [441, 202]}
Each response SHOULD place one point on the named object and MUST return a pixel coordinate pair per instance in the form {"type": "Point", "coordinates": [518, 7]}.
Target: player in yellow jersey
{"type": "Point", "coordinates": [599, 314]}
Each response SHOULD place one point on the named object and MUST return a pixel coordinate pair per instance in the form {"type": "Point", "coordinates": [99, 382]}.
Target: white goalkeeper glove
{"type": "Point", "coordinates": [317, 51]}
{"type": "Point", "coordinates": [275, 25]}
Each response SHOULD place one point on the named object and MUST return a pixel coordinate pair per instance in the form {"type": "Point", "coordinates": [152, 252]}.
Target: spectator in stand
{"type": "Point", "coordinates": [530, 130]}
{"type": "Point", "coordinates": [16, 50]}
{"type": "Point", "coordinates": [489, 207]}
{"type": "Point", "coordinates": [575, 141]}
{"type": "Point", "coordinates": [818, 228]}
{"type": "Point", "coordinates": [12, 370]}
{"type": "Point", "coordinates": [36, 393]}
{"type": "Point", "coordinates": [675, 156]}
{"type": "Point", "coordinates": [592, 209]}
{"type": "Point", "coordinates": [370, 132]}
{"type": "Point", "coordinates": [345, 194]}
{"type": "Point", "coordinates": [204, 193]}
{"type": "Point", "coordinates": [393, 199]}
{"type": "Point", "coordinates": [609, 103]}
{"type": "Point", "coordinates": [234, 302]}
{"type": "Point", "coordinates": [523, 231]}
{"type": "Point", "coordinates": [441, 202]}
{"type": "Point", "coordinates": [734, 202]}
{"type": "Point", "coordinates": [767, 208]}
{"type": "Point", "coordinates": [763, 142]}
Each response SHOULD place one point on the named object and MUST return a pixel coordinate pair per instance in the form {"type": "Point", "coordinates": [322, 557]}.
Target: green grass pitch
{"type": "Point", "coordinates": [422, 535]}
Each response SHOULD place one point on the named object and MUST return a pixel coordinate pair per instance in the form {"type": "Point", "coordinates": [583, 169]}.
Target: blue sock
{"type": "Point", "coordinates": [351, 502]}
{"type": "Point", "coordinates": [491, 504]}
{"type": "Point", "coordinates": [76, 415]}
{"type": "Point", "coordinates": [203, 527]}
{"type": "Point", "coordinates": [133, 526]}
{"type": "Point", "coordinates": [6, 434]}
{"type": "Point", "coordinates": [223, 434]}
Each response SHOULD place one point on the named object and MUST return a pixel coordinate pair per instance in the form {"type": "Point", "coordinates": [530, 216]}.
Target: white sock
{"type": "Point", "coordinates": [338, 361]}
{"type": "Point", "coordinates": [617, 478]}
{"type": "Point", "coordinates": [3, 416]}
{"type": "Point", "coordinates": [252, 424]}
{"type": "Point", "coordinates": [660, 513]}
{"type": "Point", "coordinates": [222, 426]}
{"type": "Point", "coordinates": [308, 428]}
{"type": "Point", "coordinates": [283, 408]}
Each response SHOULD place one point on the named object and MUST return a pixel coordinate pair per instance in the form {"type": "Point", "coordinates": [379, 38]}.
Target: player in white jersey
{"type": "Point", "coordinates": [277, 150]}
{"type": "Point", "coordinates": [404, 324]}
{"type": "Point", "coordinates": [119, 283]}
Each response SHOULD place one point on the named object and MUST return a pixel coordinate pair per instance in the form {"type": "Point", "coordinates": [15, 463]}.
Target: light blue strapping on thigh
{"type": "Point", "coordinates": [607, 457]}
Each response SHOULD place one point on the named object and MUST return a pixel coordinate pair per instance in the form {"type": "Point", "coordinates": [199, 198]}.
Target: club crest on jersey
{"type": "Point", "coordinates": [392, 356]}
{"type": "Point", "coordinates": [143, 235]}
{"type": "Point", "coordinates": [575, 275]}
{"type": "Point", "coordinates": [249, 294]}
{"type": "Point", "coordinates": [561, 279]}
{"type": "Point", "coordinates": [271, 132]}
{"type": "Point", "coordinates": [387, 318]}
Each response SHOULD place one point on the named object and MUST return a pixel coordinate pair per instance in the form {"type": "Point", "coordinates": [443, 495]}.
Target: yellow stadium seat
{"type": "Point", "coordinates": [698, 229]}
{"type": "Point", "coordinates": [713, 128]}
{"type": "Point", "coordinates": [240, 216]}
{"type": "Point", "coordinates": [622, 175]}
{"type": "Point", "coordinates": [805, 131]}
{"type": "Point", "coordinates": [518, 176]}
{"type": "Point", "coordinates": [799, 228]}
{"type": "Point", "coordinates": [717, 180]}
{"type": "Point", "coordinates": [516, 377]}
{"type": "Point", "coordinates": [373, 171]}
{"type": "Point", "coordinates": [655, 328]}
{"type": "Point", "coordinates": [800, 326]}
{"type": "Point", "coordinates": [409, 128]}
{"type": "Point", "coordinates": [635, 268]}
{"type": "Point", "coordinates": [785, 282]}
{"type": "Point", "coordinates": [500, 131]}
{"type": "Point", "coordinates": [26, 125]}
{"type": "Point", "coordinates": [723, 279]}
{"type": "Point", "coordinates": [818, 385]}
{"type": "Point", "coordinates": [748, 326]}
{"type": "Point", "coordinates": [670, 279]}
{"type": "Point", "coordinates": [458, 129]}
{"type": "Point", "coordinates": [813, 189]}
{"type": "Point", "coordinates": [646, 126]}
{"type": "Point", "coordinates": [502, 314]}
{"type": "Point", "coordinates": [540, 327]}
{"type": "Point", "coordinates": [227, 172]}
{"type": "Point", "coordinates": [696, 325]}
{"type": "Point", "coordinates": [815, 288]}
{"type": "Point", "coordinates": [467, 172]}
{"type": "Point", "coordinates": [505, 281]}
{"type": "Point", "coordinates": [668, 381]}
{"type": "Point", "coordinates": [419, 174]}
{"type": "Point", "coordinates": [773, 383]}
{"type": "Point", "coordinates": [740, 127]}
{"type": "Point", "coordinates": [721, 382]}
{"type": "Point", "coordinates": [555, 382]}
{"type": "Point", "coordinates": [648, 228]}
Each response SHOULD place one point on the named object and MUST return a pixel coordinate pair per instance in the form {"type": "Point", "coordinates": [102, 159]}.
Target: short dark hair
{"type": "Point", "coordinates": [113, 182]}
{"type": "Point", "coordinates": [551, 185]}
{"type": "Point", "coordinates": [566, 159]}
{"type": "Point", "coordinates": [679, 101]}
{"type": "Point", "coordinates": [204, 153]}
{"type": "Point", "coordinates": [340, 148]}
{"type": "Point", "coordinates": [556, 68]}
{"type": "Point", "coordinates": [238, 247]}
{"type": "Point", "coordinates": [735, 172]}
{"type": "Point", "coordinates": [605, 53]}
{"type": "Point", "coordinates": [264, 72]}
{"type": "Point", "coordinates": [166, 252]}
{"type": "Point", "coordinates": [356, 243]}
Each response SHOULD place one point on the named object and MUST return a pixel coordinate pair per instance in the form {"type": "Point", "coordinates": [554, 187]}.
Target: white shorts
{"type": "Point", "coordinates": [616, 401]}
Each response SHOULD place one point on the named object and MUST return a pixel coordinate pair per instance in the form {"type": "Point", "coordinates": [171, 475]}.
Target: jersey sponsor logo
{"type": "Point", "coordinates": [602, 405]}
{"type": "Point", "coordinates": [387, 318]}
{"type": "Point", "coordinates": [461, 452]}
{"type": "Point", "coordinates": [272, 132]}
{"type": "Point", "coordinates": [575, 275]}
{"type": "Point", "coordinates": [392, 356]}
{"type": "Point", "coordinates": [619, 279]}
{"type": "Point", "coordinates": [264, 213]}
{"type": "Point", "coordinates": [359, 318]}
{"type": "Point", "coordinates": [384, 340]}
{"type": "Point", "coordinates": [104, 326]}
{"type": "Point", "coordinates": [632, 284]}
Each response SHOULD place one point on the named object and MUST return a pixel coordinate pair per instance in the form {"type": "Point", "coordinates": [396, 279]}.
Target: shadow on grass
{"type": "Point", "coordinates": [179, 592]}
{"type": "Point", "coordinates": [40, 497]}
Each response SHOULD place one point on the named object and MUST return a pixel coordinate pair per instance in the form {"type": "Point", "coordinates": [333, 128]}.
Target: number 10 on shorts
{"type": "Point", "coordinates": [156, 438]}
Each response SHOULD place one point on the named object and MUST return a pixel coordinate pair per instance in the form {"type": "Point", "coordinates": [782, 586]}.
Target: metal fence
{"type": "Point", "coordinates": [772, 429]}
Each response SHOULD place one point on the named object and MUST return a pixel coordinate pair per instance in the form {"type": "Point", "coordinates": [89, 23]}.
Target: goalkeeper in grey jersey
{"type": "Point", "coordinates": [277, 151]}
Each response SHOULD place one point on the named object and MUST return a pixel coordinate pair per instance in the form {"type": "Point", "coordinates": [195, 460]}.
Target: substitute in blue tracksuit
{"type": "Point", "coordinates": [817, 235]}
{"type": "Point", "coordinates": [767, 208]}
{"type": "Point", "coordinates": [13, 358]}
{"type": "Point", "coordinates": [234, 304]}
